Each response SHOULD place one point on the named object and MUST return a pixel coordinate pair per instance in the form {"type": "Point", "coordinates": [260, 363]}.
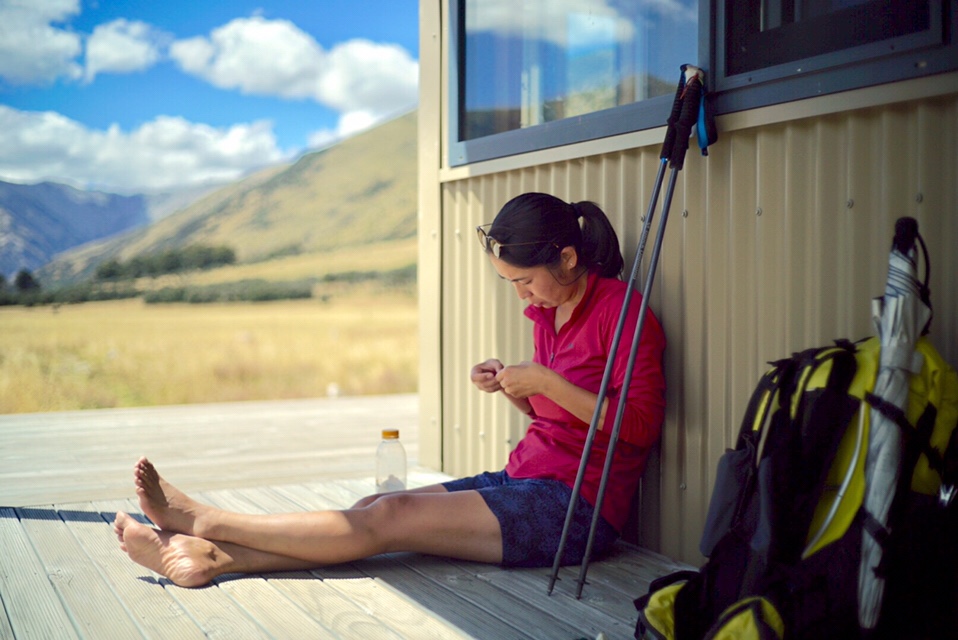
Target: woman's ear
{"type": "Point", "coordinates": [569, 257]}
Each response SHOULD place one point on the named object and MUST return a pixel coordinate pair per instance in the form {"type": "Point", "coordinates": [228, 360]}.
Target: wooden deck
{"type": "Point", "coordinates": [63, 576]}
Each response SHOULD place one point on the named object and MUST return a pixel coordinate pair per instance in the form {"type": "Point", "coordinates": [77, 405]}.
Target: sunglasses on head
{"type": "Point", "coordinates": [493, 246]}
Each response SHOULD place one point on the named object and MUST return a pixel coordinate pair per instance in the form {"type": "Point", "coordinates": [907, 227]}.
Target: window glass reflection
{"type": "Point", "coordinates": [528, 62]}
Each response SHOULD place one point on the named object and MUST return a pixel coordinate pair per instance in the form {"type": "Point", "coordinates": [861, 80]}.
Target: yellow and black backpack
{"type": "Point", "coordinates": [784, 529]}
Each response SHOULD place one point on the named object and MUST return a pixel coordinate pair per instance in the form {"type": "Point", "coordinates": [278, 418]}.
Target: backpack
{"type": "Point", "coordinates": [783, 533]}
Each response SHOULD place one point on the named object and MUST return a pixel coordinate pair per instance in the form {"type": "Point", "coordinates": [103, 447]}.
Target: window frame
{"type": "Point", "coordinates": [843, 70]}
{"type": "Point", "coordinates": [635, 116]}
{"type": "Point", "coordinates": [886, 61]}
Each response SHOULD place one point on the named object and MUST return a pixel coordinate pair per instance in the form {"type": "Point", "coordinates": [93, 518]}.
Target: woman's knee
{"type": "Point", "coordinates": [384, 516]}
{"type": "Point", "coordinates": [365, 502]}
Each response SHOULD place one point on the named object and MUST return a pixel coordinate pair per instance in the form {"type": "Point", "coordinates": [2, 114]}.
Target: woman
{"type": "Point", "coordinates": [563, 260]}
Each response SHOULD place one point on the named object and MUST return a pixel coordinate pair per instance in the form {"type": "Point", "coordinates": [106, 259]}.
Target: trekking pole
{"type": "Point", "coordinates": [685, 113]}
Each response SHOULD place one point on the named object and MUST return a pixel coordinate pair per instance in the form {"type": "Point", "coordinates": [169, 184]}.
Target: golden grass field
{"type": "Point", "coordinates": [126, 353]}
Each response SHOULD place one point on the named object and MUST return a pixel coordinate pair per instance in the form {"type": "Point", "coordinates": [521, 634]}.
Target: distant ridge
{"type": "Point", "coordinates": [38, 221]}
{"type": "Point", "coordinates": [359, 191]}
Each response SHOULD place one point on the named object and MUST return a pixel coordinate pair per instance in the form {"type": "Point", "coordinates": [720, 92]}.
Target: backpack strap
{"type": "Point", "coordinates": [918, 439]}
{"type": "Point", "coordinates": [801, 453]}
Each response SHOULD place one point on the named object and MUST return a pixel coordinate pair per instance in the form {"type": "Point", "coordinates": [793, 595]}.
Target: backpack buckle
{"type": "Point", "coordinates": [946, 494]}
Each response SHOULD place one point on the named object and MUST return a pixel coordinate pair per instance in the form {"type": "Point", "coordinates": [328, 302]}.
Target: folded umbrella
{"type": "Point", "coordinates": [900, 317]}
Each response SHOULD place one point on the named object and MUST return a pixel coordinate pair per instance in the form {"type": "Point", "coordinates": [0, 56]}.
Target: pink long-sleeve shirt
{"type": "Point", "coordinates": [553, 444]}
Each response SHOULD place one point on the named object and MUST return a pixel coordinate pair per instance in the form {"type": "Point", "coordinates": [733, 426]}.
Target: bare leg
{"type": "Point", "coordinates": [172, 510]}
{"type": "Point", "coordinates": [429, 520]}
{"type": "Point", "coordinates": [189, 561]}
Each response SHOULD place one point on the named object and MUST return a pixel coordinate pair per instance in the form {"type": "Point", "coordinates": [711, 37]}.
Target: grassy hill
{"type": "Point", "coordinates": [342, 199]}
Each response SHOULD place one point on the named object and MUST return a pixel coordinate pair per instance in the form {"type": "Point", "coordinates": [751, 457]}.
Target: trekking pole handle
{"type": "Point", "coordinates": [688, 114]}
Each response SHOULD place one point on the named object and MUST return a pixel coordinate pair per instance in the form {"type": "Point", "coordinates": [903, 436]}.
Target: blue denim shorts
{"type": "Point", "coordinates": [531, 514]}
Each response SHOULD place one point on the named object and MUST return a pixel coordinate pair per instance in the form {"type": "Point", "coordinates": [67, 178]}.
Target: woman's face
{"type": "Point", "coordinates": [537, 285]}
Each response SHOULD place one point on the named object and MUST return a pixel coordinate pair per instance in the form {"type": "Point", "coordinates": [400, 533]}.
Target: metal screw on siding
{"type": "Point", "coordinates": [849, 204]}
{"type": "Point", "coordinates": [758, 211]}
{"type": "Point", "coordinates": [683, 486]}
{"type": "Point", "coordinates": [919, 198]}
{"type": "Point", "coordinates": [685, 213]}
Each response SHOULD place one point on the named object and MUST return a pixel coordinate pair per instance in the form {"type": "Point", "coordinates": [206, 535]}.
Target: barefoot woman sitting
{"type": "Point", "coordinates": [564, 261]}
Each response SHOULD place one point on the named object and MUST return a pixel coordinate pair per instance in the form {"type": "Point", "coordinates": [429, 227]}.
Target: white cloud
{"type": "Point", "coordinates": [571, 22]}
{"type": "Point", "coordinates": [163, 153]}
{"type": "Point", "coordinates": [366, 76]}
{"type": "Point", "coordinates": [254, 56]}
{"type": "Point", "coordinates": [123, 46]}
{"type": "Point", "coordinates": [363, 80]}
{"type": "Point", "coordinates": [32, 49]}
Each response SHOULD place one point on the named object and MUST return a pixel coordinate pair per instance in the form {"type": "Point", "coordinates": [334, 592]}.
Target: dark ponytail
{"type": "Point", "coordinates": [533, 228]}
{"type": "Point", "coordinates": [600, 244]}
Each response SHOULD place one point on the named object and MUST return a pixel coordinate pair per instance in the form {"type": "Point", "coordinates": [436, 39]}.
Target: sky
{"type": "Point", "coordinates": [134, 96]}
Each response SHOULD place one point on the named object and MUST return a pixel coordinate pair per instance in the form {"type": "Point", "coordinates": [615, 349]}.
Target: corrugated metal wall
{"type": "Point", "coordinates": [776, 242]}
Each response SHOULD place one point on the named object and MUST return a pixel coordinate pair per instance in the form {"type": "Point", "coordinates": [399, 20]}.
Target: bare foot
{"type": "Point", "coordinates": [186, 560]}
{"type": "Point", "coordinates": [169, 508]}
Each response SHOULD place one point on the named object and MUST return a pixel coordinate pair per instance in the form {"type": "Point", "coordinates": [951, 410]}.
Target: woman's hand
{"type": "Point", "coordinates": [521, 381]}
{"type": "Point", "coordinates": [483, 375]}
{"type": "Point", "coordinates": [524, 379]}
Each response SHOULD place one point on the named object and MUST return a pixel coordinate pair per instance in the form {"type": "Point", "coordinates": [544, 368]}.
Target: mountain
{"type": "Point", "coordinates": [38, 221]}
{"type": "Point", "coordinates": [359, 191]}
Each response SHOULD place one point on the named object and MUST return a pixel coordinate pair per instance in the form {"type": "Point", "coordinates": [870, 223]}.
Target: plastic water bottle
{"type": "Point", "coordinates": [390, 463]}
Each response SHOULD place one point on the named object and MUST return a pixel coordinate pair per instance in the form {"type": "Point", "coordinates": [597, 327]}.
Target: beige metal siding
{"type": "Point", "coordinates": [430, 249]}
{"type": "Point", "coordinates": [778, 241]}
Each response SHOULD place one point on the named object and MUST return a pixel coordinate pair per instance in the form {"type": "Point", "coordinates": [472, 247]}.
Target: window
{"type": "Point", "coordinates": [770, 51]}
{"type": "Point", "coordinates": [534, 73]}
{"type": "Point", "coordinates": [527, 75]}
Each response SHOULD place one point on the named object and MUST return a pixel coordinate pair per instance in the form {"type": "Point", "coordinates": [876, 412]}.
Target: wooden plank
{"type": "Point", "coordinates": [612, 603]}
{"type": "Point", "coordinates": [415, 622]}
{"type": "Point", "coordinates": [630, 569]}
{"type": "Point", "coordinates": [91, 603]}
{"type": "Point", "coordinates": [334, 610]}
{"type": "Point", "coordinates": [595, 613]}
{"type": "Point", "coordinates": [155, 610]}
{"type": "Point", "coordinates": [394, 608]}
{"type": "Point", "coordinates": [272, 607]}
{"type": "Point", "coordinates": [215, 611]}
{"type": "Point", "coordinates": [30, 601]}
{"type": "Point", "coordinates": [465, 581]}
{"type": "Point", "coordinates": [431, 597]}
{"type": "Point", "coordinates": [274, 612]}
{"type": "Point", "coordinates": [211, 608]}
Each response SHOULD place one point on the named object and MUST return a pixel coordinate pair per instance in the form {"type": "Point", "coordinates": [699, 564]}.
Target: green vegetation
{"type": "Point", "coordinates": [29, 293]}
{"type": "Point", "coordinates": [243, 291]}
{"type": "Point", "coordinates": [189, 258]}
